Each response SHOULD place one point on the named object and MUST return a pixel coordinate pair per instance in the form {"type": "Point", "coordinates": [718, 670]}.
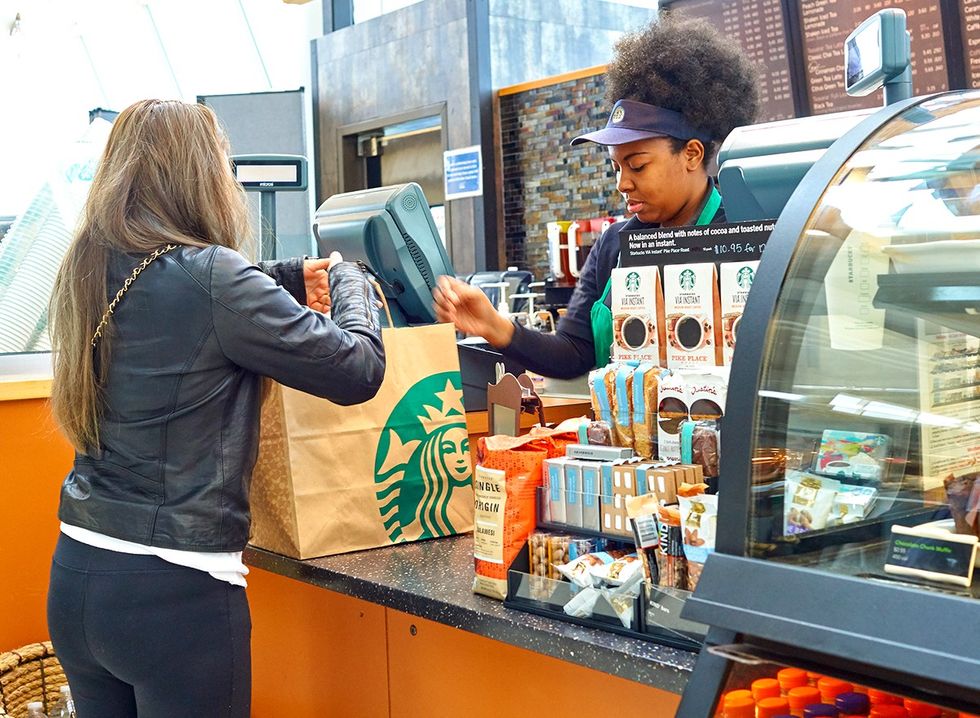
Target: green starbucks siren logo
{"type": "Point", "coordinates": [687, 280]}
{"type": "Point", "coordinates": [633, 282]}
{"type": "Point", "coordinates": [745, 277]}
{"type": "Point", "coordinates": [422, 458]}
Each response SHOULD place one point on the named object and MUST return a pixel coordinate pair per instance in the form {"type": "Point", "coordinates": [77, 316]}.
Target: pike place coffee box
{"type": "Point", "coordinates": [638, 315]}
{"type": "Point", "coordinates": [693, 310]}
{"type": "Point", "coordinates": [736, 281]}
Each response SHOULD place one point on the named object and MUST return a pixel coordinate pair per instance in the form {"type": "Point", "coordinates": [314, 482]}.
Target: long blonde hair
{"type": "Point", "coordinates": [164, 178]}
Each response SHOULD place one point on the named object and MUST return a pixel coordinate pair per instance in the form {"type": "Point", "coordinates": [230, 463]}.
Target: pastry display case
{"type": "Point", "coordinates": [850, 471]}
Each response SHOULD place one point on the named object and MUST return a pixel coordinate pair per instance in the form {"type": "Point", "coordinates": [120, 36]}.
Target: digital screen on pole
{"type": "Point", "coordinates": [759, 27]}
{"type": "Point", "coordinates": [826, 25]}
{"type": "Point", "coordinates": [266, 173]}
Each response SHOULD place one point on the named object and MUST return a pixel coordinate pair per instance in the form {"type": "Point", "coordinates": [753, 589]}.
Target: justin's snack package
{"type": "Point", "coordinates": [736, 281]}
{"type": "Point", "coordinates": [638, 311]}
{"type": "Point", "coordinates": [852, 456]}
{"type": "Point", "coordinates": [672, 409]}
{"type": "Point", "coordinates": [692, 309]}
{"type": "Point", "coordinates": [646, 385]}
{"type": "Point", "coordinates": [505, 483]}
{"type": "Point", "coordinates": [808, 502]}
{"type": "Point", "coordinates": [622, 410]}
{"type": "Point", "coordinates": [701, 445]}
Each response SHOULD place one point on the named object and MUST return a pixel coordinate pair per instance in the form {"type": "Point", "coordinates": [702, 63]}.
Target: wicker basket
{"type": "Point", "coordinates": [30, 673]}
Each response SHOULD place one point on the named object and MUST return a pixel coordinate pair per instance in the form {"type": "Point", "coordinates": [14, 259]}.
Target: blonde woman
{"type": "Point", "coordinates": [162, 331]}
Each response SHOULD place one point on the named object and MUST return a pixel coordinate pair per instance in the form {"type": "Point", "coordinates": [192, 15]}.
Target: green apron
{"type": "Point", "coordinates": [602, 319]}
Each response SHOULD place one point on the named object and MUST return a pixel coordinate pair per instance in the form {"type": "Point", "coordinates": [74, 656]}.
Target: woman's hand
{"type": "Point", "coordinates": [318, 281]}
{"type": "Point", "coordinates": [470, 310]}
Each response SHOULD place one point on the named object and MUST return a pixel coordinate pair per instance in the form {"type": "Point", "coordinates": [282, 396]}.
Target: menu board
{"type": "Point", "coordinates": [759, 27]}
{"type": "Point", "coordinates": [970, 16]}
{"type": "Point", "coordinates": [827, 23]}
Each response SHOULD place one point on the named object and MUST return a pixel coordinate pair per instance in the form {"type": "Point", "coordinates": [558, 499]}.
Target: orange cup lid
{"type": "Point", "coordinates": [888, 710]}
{"type": "Point", "coordinates": [791, 678]}
{"type": "Point", "coordinates": [883, 698]}
{"type": "Point", "coordinates": [803, 696]}
{"type": "Point", "coordinates": [770, 707]}
{"type": "Point", "coordinates": [917, 709]}
{"type": "Point", "coordinates": [765, 688]}
{"type": "Point", "coordinates": [739, 707]}
{"type": "Point", "coordinates": [738, 695]}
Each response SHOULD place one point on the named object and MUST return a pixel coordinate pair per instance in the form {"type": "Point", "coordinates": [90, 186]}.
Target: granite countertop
{"type": "Point", "coordinates": [433, 579]}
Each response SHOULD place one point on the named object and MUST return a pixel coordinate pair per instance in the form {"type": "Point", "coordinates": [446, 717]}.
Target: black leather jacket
{"type": "Point", "coordinates": [191, 340]}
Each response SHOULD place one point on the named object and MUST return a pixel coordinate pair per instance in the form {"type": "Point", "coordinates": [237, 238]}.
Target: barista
{"type": "Point", "coordinates": [679, 88]}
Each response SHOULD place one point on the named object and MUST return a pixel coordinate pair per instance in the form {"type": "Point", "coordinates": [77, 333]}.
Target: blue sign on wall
{"type": "Point", "coordinates": [463, 172]}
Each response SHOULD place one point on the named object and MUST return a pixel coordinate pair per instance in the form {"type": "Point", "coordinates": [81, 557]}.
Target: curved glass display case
{"type": "Point", "coordinates": [850, 489]}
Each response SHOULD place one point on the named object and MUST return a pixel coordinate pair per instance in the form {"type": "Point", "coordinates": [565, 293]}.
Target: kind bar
{"type": "Point", "coordinates": [852, 456]}
{"type": "Point", "coordinates": [692, 310]}
{"type": "Point", "coordinates": [808, 502]}
{"type": "Point", "coordinates": [671, 563]}
{"type": "Point", "coordinates": [672, 409]}
{"type": "Point", "coordinates": [646, 382]}
{"type": "Point", "coordinates": [736, 281]}
{"type": "Point", "coordinates": [642, 512]}
{"type": "Point", "coordinates": [637, 309]}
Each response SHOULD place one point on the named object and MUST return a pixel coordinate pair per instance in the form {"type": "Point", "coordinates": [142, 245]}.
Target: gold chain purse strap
{"type": "Point", "coordinates": [129, 280]}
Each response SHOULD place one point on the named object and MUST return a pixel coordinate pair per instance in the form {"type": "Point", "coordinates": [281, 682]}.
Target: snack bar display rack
{"type": "Point", "coordinates": [855, 388]}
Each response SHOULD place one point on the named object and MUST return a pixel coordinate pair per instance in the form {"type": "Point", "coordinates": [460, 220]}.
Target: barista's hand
{"type": "Point", "coordinates": [318, 281]}
{"type": "Point", "coordinates": [470, 310]}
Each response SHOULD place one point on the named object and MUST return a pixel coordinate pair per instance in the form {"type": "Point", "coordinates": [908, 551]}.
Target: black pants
{"type": "Point", "coordinates": [138, 636]}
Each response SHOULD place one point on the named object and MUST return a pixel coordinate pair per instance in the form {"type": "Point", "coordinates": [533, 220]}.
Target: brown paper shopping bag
{"type": "Point", "coordinates": [331, 478]}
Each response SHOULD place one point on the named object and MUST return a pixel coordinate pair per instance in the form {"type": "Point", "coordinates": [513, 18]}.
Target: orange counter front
{"type": "Point", "coordinates": [316, 652]}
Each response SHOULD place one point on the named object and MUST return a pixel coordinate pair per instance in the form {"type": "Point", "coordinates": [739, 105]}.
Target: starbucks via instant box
{"type": "Point", "coordinates": [736, 281]}
{"type": "Point", "coordinates": [638, 315]}
{"type": "Point", "coordinates": [693, 313]}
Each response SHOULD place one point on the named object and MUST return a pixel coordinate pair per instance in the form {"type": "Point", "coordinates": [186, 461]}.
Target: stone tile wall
{"type": "Point", "coordinates": [544, 178]}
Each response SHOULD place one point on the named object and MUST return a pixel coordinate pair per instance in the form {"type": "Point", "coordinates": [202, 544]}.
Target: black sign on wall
{"type": "Point", "coordinates": [760, 28]}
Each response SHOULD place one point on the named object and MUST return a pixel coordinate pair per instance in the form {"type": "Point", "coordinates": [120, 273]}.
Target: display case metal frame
{"type": "Point", "coordinates": [863, 627]}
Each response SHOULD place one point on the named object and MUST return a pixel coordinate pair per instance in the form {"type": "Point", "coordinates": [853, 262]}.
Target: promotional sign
{"type": "Point", "coordinates": [727, 242]}
{"type": "Point", "coordinates": [463, 172]}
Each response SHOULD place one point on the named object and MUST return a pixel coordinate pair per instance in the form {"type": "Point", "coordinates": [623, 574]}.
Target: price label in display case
{"type": "Point", "coordinates": [932, 555]}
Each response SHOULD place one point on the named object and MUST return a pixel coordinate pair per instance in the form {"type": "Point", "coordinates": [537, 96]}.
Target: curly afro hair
{"type": "Point", "coordinates": [687, 66]}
